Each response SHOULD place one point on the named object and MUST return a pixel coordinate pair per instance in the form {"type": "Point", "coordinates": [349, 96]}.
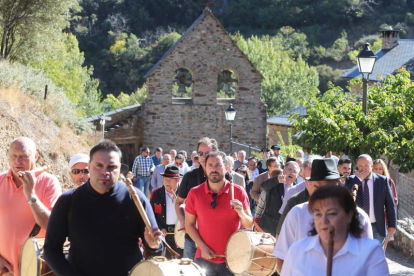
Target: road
{"type": "Point", "coordinates": [399, 264]}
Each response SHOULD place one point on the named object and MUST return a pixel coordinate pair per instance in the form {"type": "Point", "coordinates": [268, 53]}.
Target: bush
{"type": "Point", "coordinates": [32, 82]}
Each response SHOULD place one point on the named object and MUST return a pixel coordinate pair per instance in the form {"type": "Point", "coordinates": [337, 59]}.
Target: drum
{"type": "Point", "coordinates": [31, 258]}
{"type": "Point", "coordinates": [250, 253]}
{"type": "Point", "coordinates": [160, 266]}
{"type": "Point", "coordinates": [179, 236]}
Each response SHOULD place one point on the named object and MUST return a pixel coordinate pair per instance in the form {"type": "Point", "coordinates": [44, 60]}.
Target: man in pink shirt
{"type": "Point", "coordinates": [26, 199]}
{"type": "Point", "coordinates": [218, 216]}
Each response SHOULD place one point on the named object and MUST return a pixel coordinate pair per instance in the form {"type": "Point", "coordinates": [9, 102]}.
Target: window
{"type": "Point", "coordinates": [226, 84]}
{"type": "Point", "coordinates": [182, 84]}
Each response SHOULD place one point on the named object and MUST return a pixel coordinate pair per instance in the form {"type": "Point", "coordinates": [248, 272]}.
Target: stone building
{"type": "Point", "coordinates": [189, 89]}
{"type": "Point", "coordinates": [204, 51]}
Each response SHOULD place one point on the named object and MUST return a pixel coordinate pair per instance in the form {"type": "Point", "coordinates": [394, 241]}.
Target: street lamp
{"type": "Point", "coordinates": [230, 115]}
{"type": "Point", "coordinates": [366, 60]}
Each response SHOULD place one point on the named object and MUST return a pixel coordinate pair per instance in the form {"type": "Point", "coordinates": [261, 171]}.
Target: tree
{"type": "Point", "coordinates": [335, 121]}
{"type": "Point", "coordinates": [27, 26]}
{"type": "Point", "coordinates": [287, 80]}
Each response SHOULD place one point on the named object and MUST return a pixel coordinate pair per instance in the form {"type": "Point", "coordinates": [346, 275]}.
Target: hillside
{"type": "Point", "coordinates": [21, 115]}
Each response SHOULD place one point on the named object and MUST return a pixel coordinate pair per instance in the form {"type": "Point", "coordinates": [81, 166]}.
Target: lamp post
{"type": "Point", "coordinates": [230, 115]}
{"type": "Point", "coordinates": [366, 60]}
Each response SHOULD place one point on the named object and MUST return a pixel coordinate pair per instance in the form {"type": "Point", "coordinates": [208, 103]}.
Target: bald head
{"type": "Point", "coordinates": [22, 155]}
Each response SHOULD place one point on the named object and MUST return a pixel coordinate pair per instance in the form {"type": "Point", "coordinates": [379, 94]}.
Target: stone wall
{"type": "Point", "coordinates": [273, 136]}
{"type": "Point", "coordinates": [405, 190]}
{"type": "Point", "coordinates": [205, 50]}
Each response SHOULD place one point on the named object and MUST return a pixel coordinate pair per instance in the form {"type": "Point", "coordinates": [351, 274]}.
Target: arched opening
{"type": "Point", "coordinates": [182, 84]}
{"type": "Point", "coordinates": [226, 84]}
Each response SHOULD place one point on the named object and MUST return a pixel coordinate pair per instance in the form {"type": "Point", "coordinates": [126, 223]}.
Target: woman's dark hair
{"type": "Point", "coordinates": [344, 198]}
{"type": "Point", "coordinates": [244, 169]}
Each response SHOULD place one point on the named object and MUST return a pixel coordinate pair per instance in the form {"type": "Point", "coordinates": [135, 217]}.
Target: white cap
{"type": "Point", "coordinates": [78, 158]}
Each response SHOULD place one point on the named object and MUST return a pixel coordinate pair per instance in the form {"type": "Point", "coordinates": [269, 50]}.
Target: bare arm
{"type": "Point", "coordinates": [41, 214]}
{"type": "Point", "coordinates": [244, 214]}
{"type": "Point", "coordinates": [179, 211]}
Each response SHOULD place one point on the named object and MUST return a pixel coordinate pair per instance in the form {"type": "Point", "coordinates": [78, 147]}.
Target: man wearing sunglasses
{"type": "Point", "coordinates": [79, 172]}
{"type": "Point", "coordinates": [191, 180]}
{"type": "Point", "coordinates": [210, 205]}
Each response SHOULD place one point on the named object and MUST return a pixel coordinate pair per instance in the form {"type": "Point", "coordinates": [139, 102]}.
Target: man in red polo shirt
{"type": "Point", "coordinates": [217, 215]}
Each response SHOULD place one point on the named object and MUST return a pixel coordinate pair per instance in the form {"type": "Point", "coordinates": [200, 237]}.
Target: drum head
{"type": "Point", "coordinates": [183, 267]}
{"type": "Point", "coordinates": [239, 252]}
{"type": "Point", "coordinates": [30, 257]}
{"type": "Point", "coordinates": [179, 236]}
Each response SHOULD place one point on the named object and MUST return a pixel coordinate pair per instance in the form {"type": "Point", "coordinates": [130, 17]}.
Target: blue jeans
{"type": "Point", "coordinates": [143, 184]}
{"type": "Point", "coordinates": [189, 249]}
{"type": "Point", "coordinates": [376, 234]}
{"type": "Point", "coordinates": [213, 269]}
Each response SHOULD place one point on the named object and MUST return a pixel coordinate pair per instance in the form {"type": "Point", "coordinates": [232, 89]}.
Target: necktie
{"type": "Point", "coordinates": [365, 197]}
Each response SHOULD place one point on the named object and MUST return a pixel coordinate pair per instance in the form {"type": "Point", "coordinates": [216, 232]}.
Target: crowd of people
{"type": "Point", "coordinates": [322, 213]}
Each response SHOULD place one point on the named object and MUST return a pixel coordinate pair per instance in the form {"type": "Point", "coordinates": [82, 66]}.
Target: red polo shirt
{"type": "Point", "coordinates": [215, 226]}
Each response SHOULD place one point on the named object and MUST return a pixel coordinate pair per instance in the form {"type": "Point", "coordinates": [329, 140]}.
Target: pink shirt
{"type": "Point", "coordinates": [16, 217]}
{"type": "Point", "coordinates": [215, 226]}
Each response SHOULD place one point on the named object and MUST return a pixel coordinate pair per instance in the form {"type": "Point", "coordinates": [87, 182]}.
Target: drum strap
{"type": "Point", "coordinates": [35, 231]}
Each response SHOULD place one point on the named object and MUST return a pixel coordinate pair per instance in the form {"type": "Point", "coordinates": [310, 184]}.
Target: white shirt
{"type": "Point", "coordinates": [290, 192]}
{"type": "Point", "coordinates": [254, 174]}
{"type": "Point", "coordinates": [298, 223]}
{"type": "Point", "coordinates": [357, 257]}
{"type": "Point", "coordinates": [371, 197]}
{"type": "Point", "coordinates": [170, 212]}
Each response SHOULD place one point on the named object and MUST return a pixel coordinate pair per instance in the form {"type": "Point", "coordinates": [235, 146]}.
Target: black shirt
{"type": "Point", "coordinates": [103, 230]}
{"type": "Point", "coordinates": [191, 180]}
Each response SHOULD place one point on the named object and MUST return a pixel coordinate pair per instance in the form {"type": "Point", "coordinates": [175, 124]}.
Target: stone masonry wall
{"type": "Point", "coordinates": [205, 51]}
{"type": "Point", "coordinates": [274, 137]}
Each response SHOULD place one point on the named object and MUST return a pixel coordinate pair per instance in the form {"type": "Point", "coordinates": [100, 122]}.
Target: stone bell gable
{"type": "Point", "coordinates": [205, 50]}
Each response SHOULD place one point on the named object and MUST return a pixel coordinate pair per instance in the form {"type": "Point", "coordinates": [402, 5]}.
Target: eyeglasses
{"type": "Point", "coordinates": [200, 153]}
{"type": "Point", "coordinates": [214, 202]}
{"type": "Point", "coordinates": [77, 171]}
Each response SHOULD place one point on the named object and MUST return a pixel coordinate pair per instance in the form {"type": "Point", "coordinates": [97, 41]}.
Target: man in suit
{"type": "Point", "coordinates": [162, 202]}
{"type": "Point", "coordinates": [237, 178]}
{"type": "Point", "coordinates": [373, 195]}
{"type": "Point", "coordinates": [271, 164]}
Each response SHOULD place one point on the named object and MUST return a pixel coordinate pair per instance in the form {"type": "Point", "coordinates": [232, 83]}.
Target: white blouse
{"type": "Point", "coordinates": [357, 257]}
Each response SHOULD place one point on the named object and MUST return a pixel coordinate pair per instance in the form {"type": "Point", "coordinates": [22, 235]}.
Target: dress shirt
{"type": "Point", "coordinates": [254, 174]}
{"type": "Point", "coordinates": [371, 197]}
{"type": "Point", "coordinates": [142, 166]}
{"type": "Point", "coordinates": [290, 192]}
{"type": "Point", "coordinates": [170, 212]}
{"type": "Point", "coordinates": [358, 256]}
{"type": "Point", "coordinates": [298, 223]}
{"type": "Point", "coordinates": [157, 180]}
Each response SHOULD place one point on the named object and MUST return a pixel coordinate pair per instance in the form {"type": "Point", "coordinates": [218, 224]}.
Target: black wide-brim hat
{"type": "Point", "coordinates": [172, 172]}
{"type": "Point", "coordinates": [324, 169]}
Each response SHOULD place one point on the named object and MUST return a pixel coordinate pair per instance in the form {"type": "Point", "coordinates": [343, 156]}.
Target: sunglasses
{"type": "Point", "coordinates": [200, 153]}
{"type": "Point", "coordinates": [77, 171]}
{"type": "Point", "coordinates": [214, 202]}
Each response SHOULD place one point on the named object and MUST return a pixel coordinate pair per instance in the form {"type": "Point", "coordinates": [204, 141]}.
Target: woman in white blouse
{"type": "Point", "coordinates": [352, 255]}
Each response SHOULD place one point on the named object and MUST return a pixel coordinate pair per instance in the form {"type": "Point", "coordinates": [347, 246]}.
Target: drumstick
{"type": "Point", "coordinates": [330, 250]}
{"type": "Point", "coordinates": [38, 170]}
{"type": "Point", "coordinates": [144, 216]}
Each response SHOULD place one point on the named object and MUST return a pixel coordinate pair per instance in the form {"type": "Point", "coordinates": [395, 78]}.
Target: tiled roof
{"type": "Point", "coordinates": [98, 117]}
{"type": "Point", "coordinates": [283, 119]}
{"type": "Point", "coordinates": [388, 61]}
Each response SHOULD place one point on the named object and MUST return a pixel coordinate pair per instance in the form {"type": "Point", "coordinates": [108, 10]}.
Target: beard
{"type": "Point", "coordinates": [215, 178]}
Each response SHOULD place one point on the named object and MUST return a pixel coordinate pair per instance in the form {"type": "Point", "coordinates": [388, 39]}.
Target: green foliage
{"type": "Point", "coordinates": [289, 147]}
{"type": "Point", "coordinates": [32, 82]}
{"type": "Point", "coordinates": [375, 45]}
{"type": "Point", "coordinates": [339, 49]}
{"type": "Point", "coordinates": [28, 27]}
{"type": "Point", "coordinates": [111, 102]}
{"type": "Point", "coordinates": [286, 81]}
{"type": "Point", "coordinates": [335, 121]}
{"type": "Point", "coordinates": [327, 75]}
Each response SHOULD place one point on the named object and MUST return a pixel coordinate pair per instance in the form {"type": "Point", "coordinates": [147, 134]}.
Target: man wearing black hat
{"type": "Point", "coordinates": [162, 202]}
{"type": "Point", "coordinates": [276, 153]}
{"type": "Point", "coordinates": [298, 221]}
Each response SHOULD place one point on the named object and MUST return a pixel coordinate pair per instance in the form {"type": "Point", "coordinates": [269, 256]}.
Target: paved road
{"type": "Point", "coordinates": [399, 264]}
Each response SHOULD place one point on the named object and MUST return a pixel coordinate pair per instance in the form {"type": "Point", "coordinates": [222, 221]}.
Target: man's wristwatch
{"type": "Point", "coordinates": [32, 200]}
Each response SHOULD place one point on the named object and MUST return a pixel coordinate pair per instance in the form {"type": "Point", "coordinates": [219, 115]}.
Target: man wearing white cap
{"type": "Point", "coordinates": [79, 171]}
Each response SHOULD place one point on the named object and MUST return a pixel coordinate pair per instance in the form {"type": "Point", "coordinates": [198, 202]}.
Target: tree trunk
{"type": "Point", "coordinates": [3, 43]}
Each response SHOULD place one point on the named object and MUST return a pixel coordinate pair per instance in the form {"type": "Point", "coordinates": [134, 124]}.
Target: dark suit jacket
{"type": "Point", "coordinates": [382, 198]}
{"type": "Point", "coordinates": [257, 188]}
{"type": "Point", "coordinates": [158, 203]}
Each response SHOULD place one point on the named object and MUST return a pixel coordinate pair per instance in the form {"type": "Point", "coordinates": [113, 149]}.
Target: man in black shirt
{"type": "Point", "coordinates": [101, 221]}
{"type": "Point", "coordinates": [190, 180]}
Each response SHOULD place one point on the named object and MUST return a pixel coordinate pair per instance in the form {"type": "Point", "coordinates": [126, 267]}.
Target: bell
{"type": "Point", "coordinates": [226, 87]}
{"type": "Point", "coordinates": [181, 88]}
{"type": "Point", "coordinates": [226, 75]}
